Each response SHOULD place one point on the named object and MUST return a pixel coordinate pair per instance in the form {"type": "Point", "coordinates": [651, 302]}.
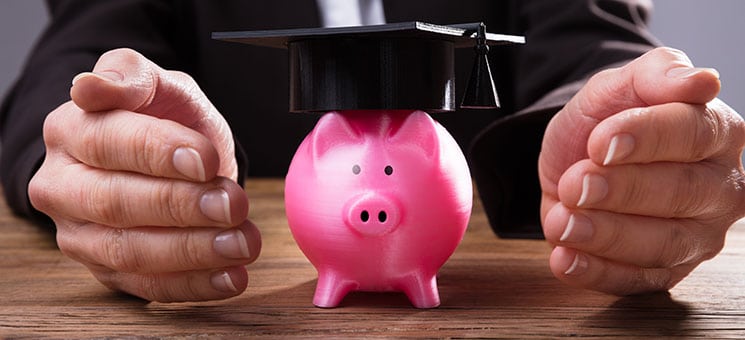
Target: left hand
{"type": "Point", "coordinates": [641, 176]}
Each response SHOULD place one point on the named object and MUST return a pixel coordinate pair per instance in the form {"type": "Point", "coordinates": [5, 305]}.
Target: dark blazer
{"type": "Point", "coordinates": [568, 40]}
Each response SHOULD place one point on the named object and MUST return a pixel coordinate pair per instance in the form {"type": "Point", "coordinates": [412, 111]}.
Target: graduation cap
{"type": "Point", "coordinates": [407, 65]}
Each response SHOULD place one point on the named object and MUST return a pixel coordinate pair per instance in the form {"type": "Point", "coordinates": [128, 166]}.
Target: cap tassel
{"type": "Point", "coordinates": [481, 92]}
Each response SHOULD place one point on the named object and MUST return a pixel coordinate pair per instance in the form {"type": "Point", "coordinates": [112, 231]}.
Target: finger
{"type": "Point", "coordinates": [668, 190]}
{"type": "Point", "coordinates": [660, 76]}
{"type": "Point", "coordinates": [161, 249]}
{"type": "Point", "coordinates": [200, 285]}
{"type": "Point", "coordinates": [125, 199]}
{"type": "Point", "coordinates": [122, 140]}
{"type": "Point", "coordinates": [586, 271]}
{"type": "Point", "coordinates": [647, 242]}
{"type": "Point", "coordinates": [669, 132]}
{"type": "Point", "coordinates": [124, 79]}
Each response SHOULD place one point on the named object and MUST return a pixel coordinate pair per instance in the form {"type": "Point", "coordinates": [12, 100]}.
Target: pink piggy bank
{"type": "Point", "coordinates": [378, 201]}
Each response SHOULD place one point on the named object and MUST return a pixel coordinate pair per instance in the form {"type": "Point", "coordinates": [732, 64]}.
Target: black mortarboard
{"type": "Point", "coordinates": [406, 65]}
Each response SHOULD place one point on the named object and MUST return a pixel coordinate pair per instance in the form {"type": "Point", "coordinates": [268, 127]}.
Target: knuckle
{"type": "Point", "coordinates": [105, 145]}
{"type": "Point", "coordinates": [712, 240]}
{"type": "Point", "coordinates": [727, 128]}
{"type": "Point", "coordinates": [54, 126]}
{"type": "Point", "coordinates": [735, 139]}
{"type": "Point", "coordinates": [599, 279]}
{"type": "Point", "coordinates": [109, 279]}
{"type": "Point", "coordinates": [68, 244]}
{"type": "Point", "coordinates": [707, 137]}
{"type": "Point", "coordinates": [737, 130]}
{"type": "Point", "coordinates": [186, 251]}
{"type": "Point", "coordinates": [612, 243]}
{"type": "Point", "coordinates": [634, 192]}
{"type": "Point", "coordinates": [92, 143]}
{"type": "Point", "coordinates": [173, 207]}
{"type": "Point", "coordinates": [58, 124]}
{"type": "Point", "coordinates": [118, 253]}
{"type": "Point", "coordinates": [632, 283]}
{"type": "Point", "coordinates": [652, 280]}
{"type": "Point", "coordinates": [141, 153]}
{"type": "Point", "coordinates": [181, 77]}
{"type": "Point", "coordinates": [716, 244]}
{"type": "Point", "coordinates": [667, 54]}
{"type": "Point", "coordinates": [184, 82]}
{"type": "Point", "coordinates": [141, 75]}
{"type": "Point", "coordinates": [685, 202]}
{"type": "Point", "coordinates": [643, 280]}
{"type": "Point", "coordinates": [191, 94]}
{"type": "Point", "coordinates": [146, 146]}
{"type": "Point", "coordinates": [736, 183]}
{"type": "Point", "coordinates": [41, 192]}
{"type": "Point", "coordinates": [189, 290]}
{"type": "Point", "coordinates": [677, 247]}
{"type": "Point", "coordinates": [181, 289]}
{"type": "Point", "coordinates": [151, 289]}
{"type": "Point", "coordinates": [102, 201]}
{"type": "Point", "coordinates": [602, 75]}
{"type": "Point", "coordinates": [601, 86]}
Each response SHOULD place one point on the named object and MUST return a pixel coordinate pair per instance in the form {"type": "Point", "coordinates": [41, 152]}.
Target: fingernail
{"type": "Point", "coordinates": [80, 75]}
{"type": "Point", "coordinates": [188, 162]}
{"type": "Point", "coordinates": [620, 146]}
{"type": "Point", "coordinates": [221, 281]}
{"type": "Point", "coordinates": [594, 189]}
{"type": "Point", "coordinates": [215, 204]}
{"type": "Point", "coordinates": [232, 244]}
{"type": "Point", "coordinates": [687, 72]}
{"type": "Point", "coordinates": [578, 229]}
{"type": "Point", "coordinates": [578, 266]}
{"type": "Point", "coordinates": [104, 75]}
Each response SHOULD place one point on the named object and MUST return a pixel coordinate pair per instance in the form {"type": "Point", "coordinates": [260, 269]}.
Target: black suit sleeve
{"type": "Point", "coordinates": [567, 41]}
{"type": "Point", "coordinates": [78, 33]}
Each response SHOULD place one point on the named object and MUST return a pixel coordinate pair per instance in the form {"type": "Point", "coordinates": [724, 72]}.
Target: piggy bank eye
{"type": "Point", "coordinates": [356, 169]}
{"type": "Point", "coordinates": [388, 170]}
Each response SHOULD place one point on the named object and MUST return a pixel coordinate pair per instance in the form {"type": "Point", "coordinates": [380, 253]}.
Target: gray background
{"type": "Point", "coordinates": [710, 31]}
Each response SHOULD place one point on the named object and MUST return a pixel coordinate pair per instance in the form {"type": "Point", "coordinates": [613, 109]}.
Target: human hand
{"type": "Point", "coordinates": [641, 176]}
{"type": "Point", "coordinates": [140, 179]}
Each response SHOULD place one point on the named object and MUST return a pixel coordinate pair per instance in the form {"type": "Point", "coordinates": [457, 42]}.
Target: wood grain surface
{"type": "Point", "coordinates": [490, 288]}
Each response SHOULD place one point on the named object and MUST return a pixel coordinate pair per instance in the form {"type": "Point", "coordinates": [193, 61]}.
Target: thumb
{"type": "Point", "coordinates": [663, 75]}
{"type": "Point", "coordinates": [126, 80]}
{"type": "Point", "coordinates": [660, 76]}
{"type": "Point", "coordinates": [123, 79]}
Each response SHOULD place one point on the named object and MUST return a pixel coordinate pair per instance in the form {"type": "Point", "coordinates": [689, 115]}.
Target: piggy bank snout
{"type": "Point", "coordinates": [372, 214]}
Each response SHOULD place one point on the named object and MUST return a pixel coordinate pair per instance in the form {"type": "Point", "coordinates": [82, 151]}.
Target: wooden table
{"type": "Point", "coordinates": [489, 288]}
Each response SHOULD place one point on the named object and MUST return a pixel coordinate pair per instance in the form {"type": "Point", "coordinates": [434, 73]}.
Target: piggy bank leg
{"type": "Point", "coordinates": [331, 289]}
{"type": "Point", "coordinates": [422, 290]}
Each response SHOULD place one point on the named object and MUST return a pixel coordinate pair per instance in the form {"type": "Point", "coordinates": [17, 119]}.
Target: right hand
{"type": "Point", "coordinates": [140, 179]}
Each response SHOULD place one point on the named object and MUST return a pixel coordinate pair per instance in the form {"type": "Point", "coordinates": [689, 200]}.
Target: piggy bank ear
{"type": "Point", "coordinates": [333, 129]}
{"type": "Point", "coordinates": [418, 131]}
